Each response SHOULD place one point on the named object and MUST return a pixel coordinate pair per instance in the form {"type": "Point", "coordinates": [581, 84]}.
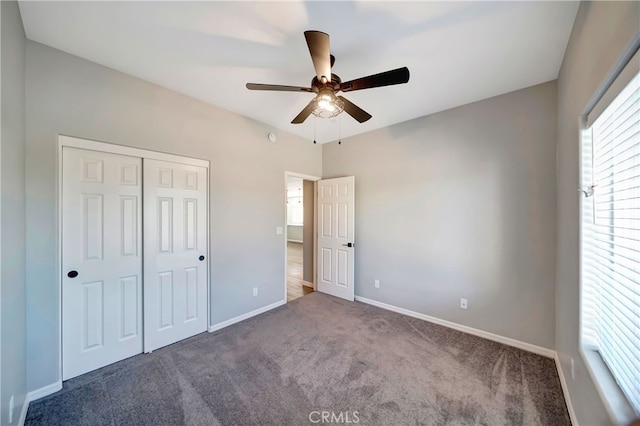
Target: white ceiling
{"type": "Point", "coordinates": [457, 52]}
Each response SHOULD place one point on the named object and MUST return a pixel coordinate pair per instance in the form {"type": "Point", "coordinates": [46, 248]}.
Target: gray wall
{"type": "Point", "coordinates": [460, 204]}
{"type": "Point", "coordinates": [72, 96]}
{"type": "Point", "coordinates": [308, 199]}
{"type": "Point", "coordinates": [13, 369]}
{"type": "Point", "coordinates": [601, 32]}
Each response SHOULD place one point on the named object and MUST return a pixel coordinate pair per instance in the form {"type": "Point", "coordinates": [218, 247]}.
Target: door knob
{"type": "Point", "coordinates": [349, 245]}
{"type": "Point", "coordinates": [72, 274]}
{"type": "Point", "coordinates": [201, 258]}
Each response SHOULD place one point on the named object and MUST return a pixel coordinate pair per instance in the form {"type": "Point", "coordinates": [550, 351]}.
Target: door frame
{"type": "Point", "coordinates": [92, 145]}
{"type": "Point", "coordinates": [314, 179]}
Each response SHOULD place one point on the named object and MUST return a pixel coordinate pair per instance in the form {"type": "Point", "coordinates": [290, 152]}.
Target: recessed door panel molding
{"type": "Point", "coordinates": [101, 279]}
{"type": "Point", "coordinates": [165, 224]}
{"type": "Point", "coordinates": [191, 294]}
{"type": "Point", "coordinates": [129, 225]}
{"type": "Point", "coordinates": [336, 245]}
{"type": "Point", "coordinates": [165, 299]}
{"type": "Point", "coordinates": [165, 178]}
{"type": "Point", "coordinates": [93, 315]}
{"type": "Point", "coordinates": [342, 221]}
{"type": "Point", "coordinates": [93, 226]}
{"type": "Point", "coordinates": [92, 169]}
{"type": "Point", "coordinates": [128, 174]}
{"type": "Point", "coordinates": [191, 180]}
{"type": "Point", "coordinates": [326, 265]}
{"type": "Point", "coordinates": [177, 208]}
{"type": "Point", "coordinates": [190, 224]}
{"type": "Point", "coordinates": [342, 264]}
{"type": "Point", "coordinates": [342, 190]}
{"type": "Point", "coordinates": [326, 222]}
{"type": "Point", "coordinates": [129, 307]}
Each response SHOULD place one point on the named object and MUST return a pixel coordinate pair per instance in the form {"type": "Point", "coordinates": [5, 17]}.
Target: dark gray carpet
{"type": "Point", "coordinates": [353, 361]}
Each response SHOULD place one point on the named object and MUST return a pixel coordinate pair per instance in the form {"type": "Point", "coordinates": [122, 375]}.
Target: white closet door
{"type": "Point", "coordinates": [175, 249]}
{"type": "Point", "coordinates": [102, 264]}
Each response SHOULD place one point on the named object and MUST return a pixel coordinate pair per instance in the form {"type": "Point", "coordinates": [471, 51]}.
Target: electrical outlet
{"type": "Point", "coordinates": [573, 370]}
{"type": "Point", "coordinates": [463, 303]}
{"type": "Point", "coordinates": [255, 291]}
{"type": "Point", "coordinates": [11, 406]}
{"type": "Point", "coordinates": [376, 283]}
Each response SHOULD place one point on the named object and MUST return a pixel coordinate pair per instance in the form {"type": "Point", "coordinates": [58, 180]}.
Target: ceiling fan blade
{"type": "Point", "coordinates": [318, 43]}
{"type": "Point", "coordinates": [354, 110]}
{"type": "Point", "coordinates": [303, 114]}
{"type": "Point", "coordinates": [387, 78]}
{"type": "Point", "coordinates": [277, 87]}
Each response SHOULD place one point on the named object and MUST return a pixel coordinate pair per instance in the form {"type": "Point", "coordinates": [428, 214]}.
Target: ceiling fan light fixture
{"type": "Point", "coordinates": [326, 104]}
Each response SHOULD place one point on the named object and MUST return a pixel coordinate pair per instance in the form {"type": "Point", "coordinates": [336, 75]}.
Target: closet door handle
{"type": "Point", "coordinates": [201, 258]}
{"type": "Point", "coordinates": [72, 274]}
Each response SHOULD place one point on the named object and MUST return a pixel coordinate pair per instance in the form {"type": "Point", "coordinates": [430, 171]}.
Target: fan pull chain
{"type": "Point", "coordinates": [339, 131]}
{"type": "Point", "coordinates": [314, 129]}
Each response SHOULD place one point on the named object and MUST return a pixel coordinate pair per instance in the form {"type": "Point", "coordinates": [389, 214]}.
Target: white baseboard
{"type": "Point", "coordinates": [23, 412]}
{"type": "Point", "coordinates": [565, 391]}
{"type": "Point", "coordinates": [248, 315]}
{"type": "Point", "coordinates": [549, 353]}
{"type": "Point", "coordinates": [34, 395]}
{"type": "Point", "coordinates": [44, 391]}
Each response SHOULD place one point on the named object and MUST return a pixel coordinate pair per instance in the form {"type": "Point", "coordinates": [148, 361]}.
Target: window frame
{"type": "Point", "coordinates": [615, 401]}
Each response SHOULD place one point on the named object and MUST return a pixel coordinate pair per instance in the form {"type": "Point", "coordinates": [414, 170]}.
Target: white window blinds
{"type": "Point", "coordinates": [611, 237]}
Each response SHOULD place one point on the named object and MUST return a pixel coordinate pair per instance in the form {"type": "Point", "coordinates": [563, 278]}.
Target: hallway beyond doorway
{"type": "Point", "coordinates": [295, 284]}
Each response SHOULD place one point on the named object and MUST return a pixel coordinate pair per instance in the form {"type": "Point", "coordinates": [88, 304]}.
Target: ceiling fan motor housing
{"type": "Point", "coordinates": [334, 84]}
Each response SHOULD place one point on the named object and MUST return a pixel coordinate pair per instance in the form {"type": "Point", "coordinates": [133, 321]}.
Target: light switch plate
{"type": "Point", "coordinates": [279, 230]}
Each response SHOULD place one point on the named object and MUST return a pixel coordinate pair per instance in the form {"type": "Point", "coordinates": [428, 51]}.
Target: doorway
{"type": "Point", "coordinates": [299, 235]}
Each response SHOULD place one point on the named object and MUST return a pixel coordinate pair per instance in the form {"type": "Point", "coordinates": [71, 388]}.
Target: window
{"type": "Point", "coordinates": [610, 250]}
{"type": "Point", "coordinates": [295, 209]}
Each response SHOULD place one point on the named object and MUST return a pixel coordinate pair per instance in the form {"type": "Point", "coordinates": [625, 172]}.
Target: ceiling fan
{"type": "Point", "coordinates": [325, 84]}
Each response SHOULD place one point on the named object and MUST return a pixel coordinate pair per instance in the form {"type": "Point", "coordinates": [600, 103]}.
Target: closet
{"type": "Point", "coordinates": [133, 252]}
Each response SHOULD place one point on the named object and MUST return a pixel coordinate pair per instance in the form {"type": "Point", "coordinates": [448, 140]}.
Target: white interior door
{"type": "Point", "coordinates": [101, 259]}
{"type": "Point", "coordinates": [336, 203]}
{"type": "Point", "coordinates": [175, 249]}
